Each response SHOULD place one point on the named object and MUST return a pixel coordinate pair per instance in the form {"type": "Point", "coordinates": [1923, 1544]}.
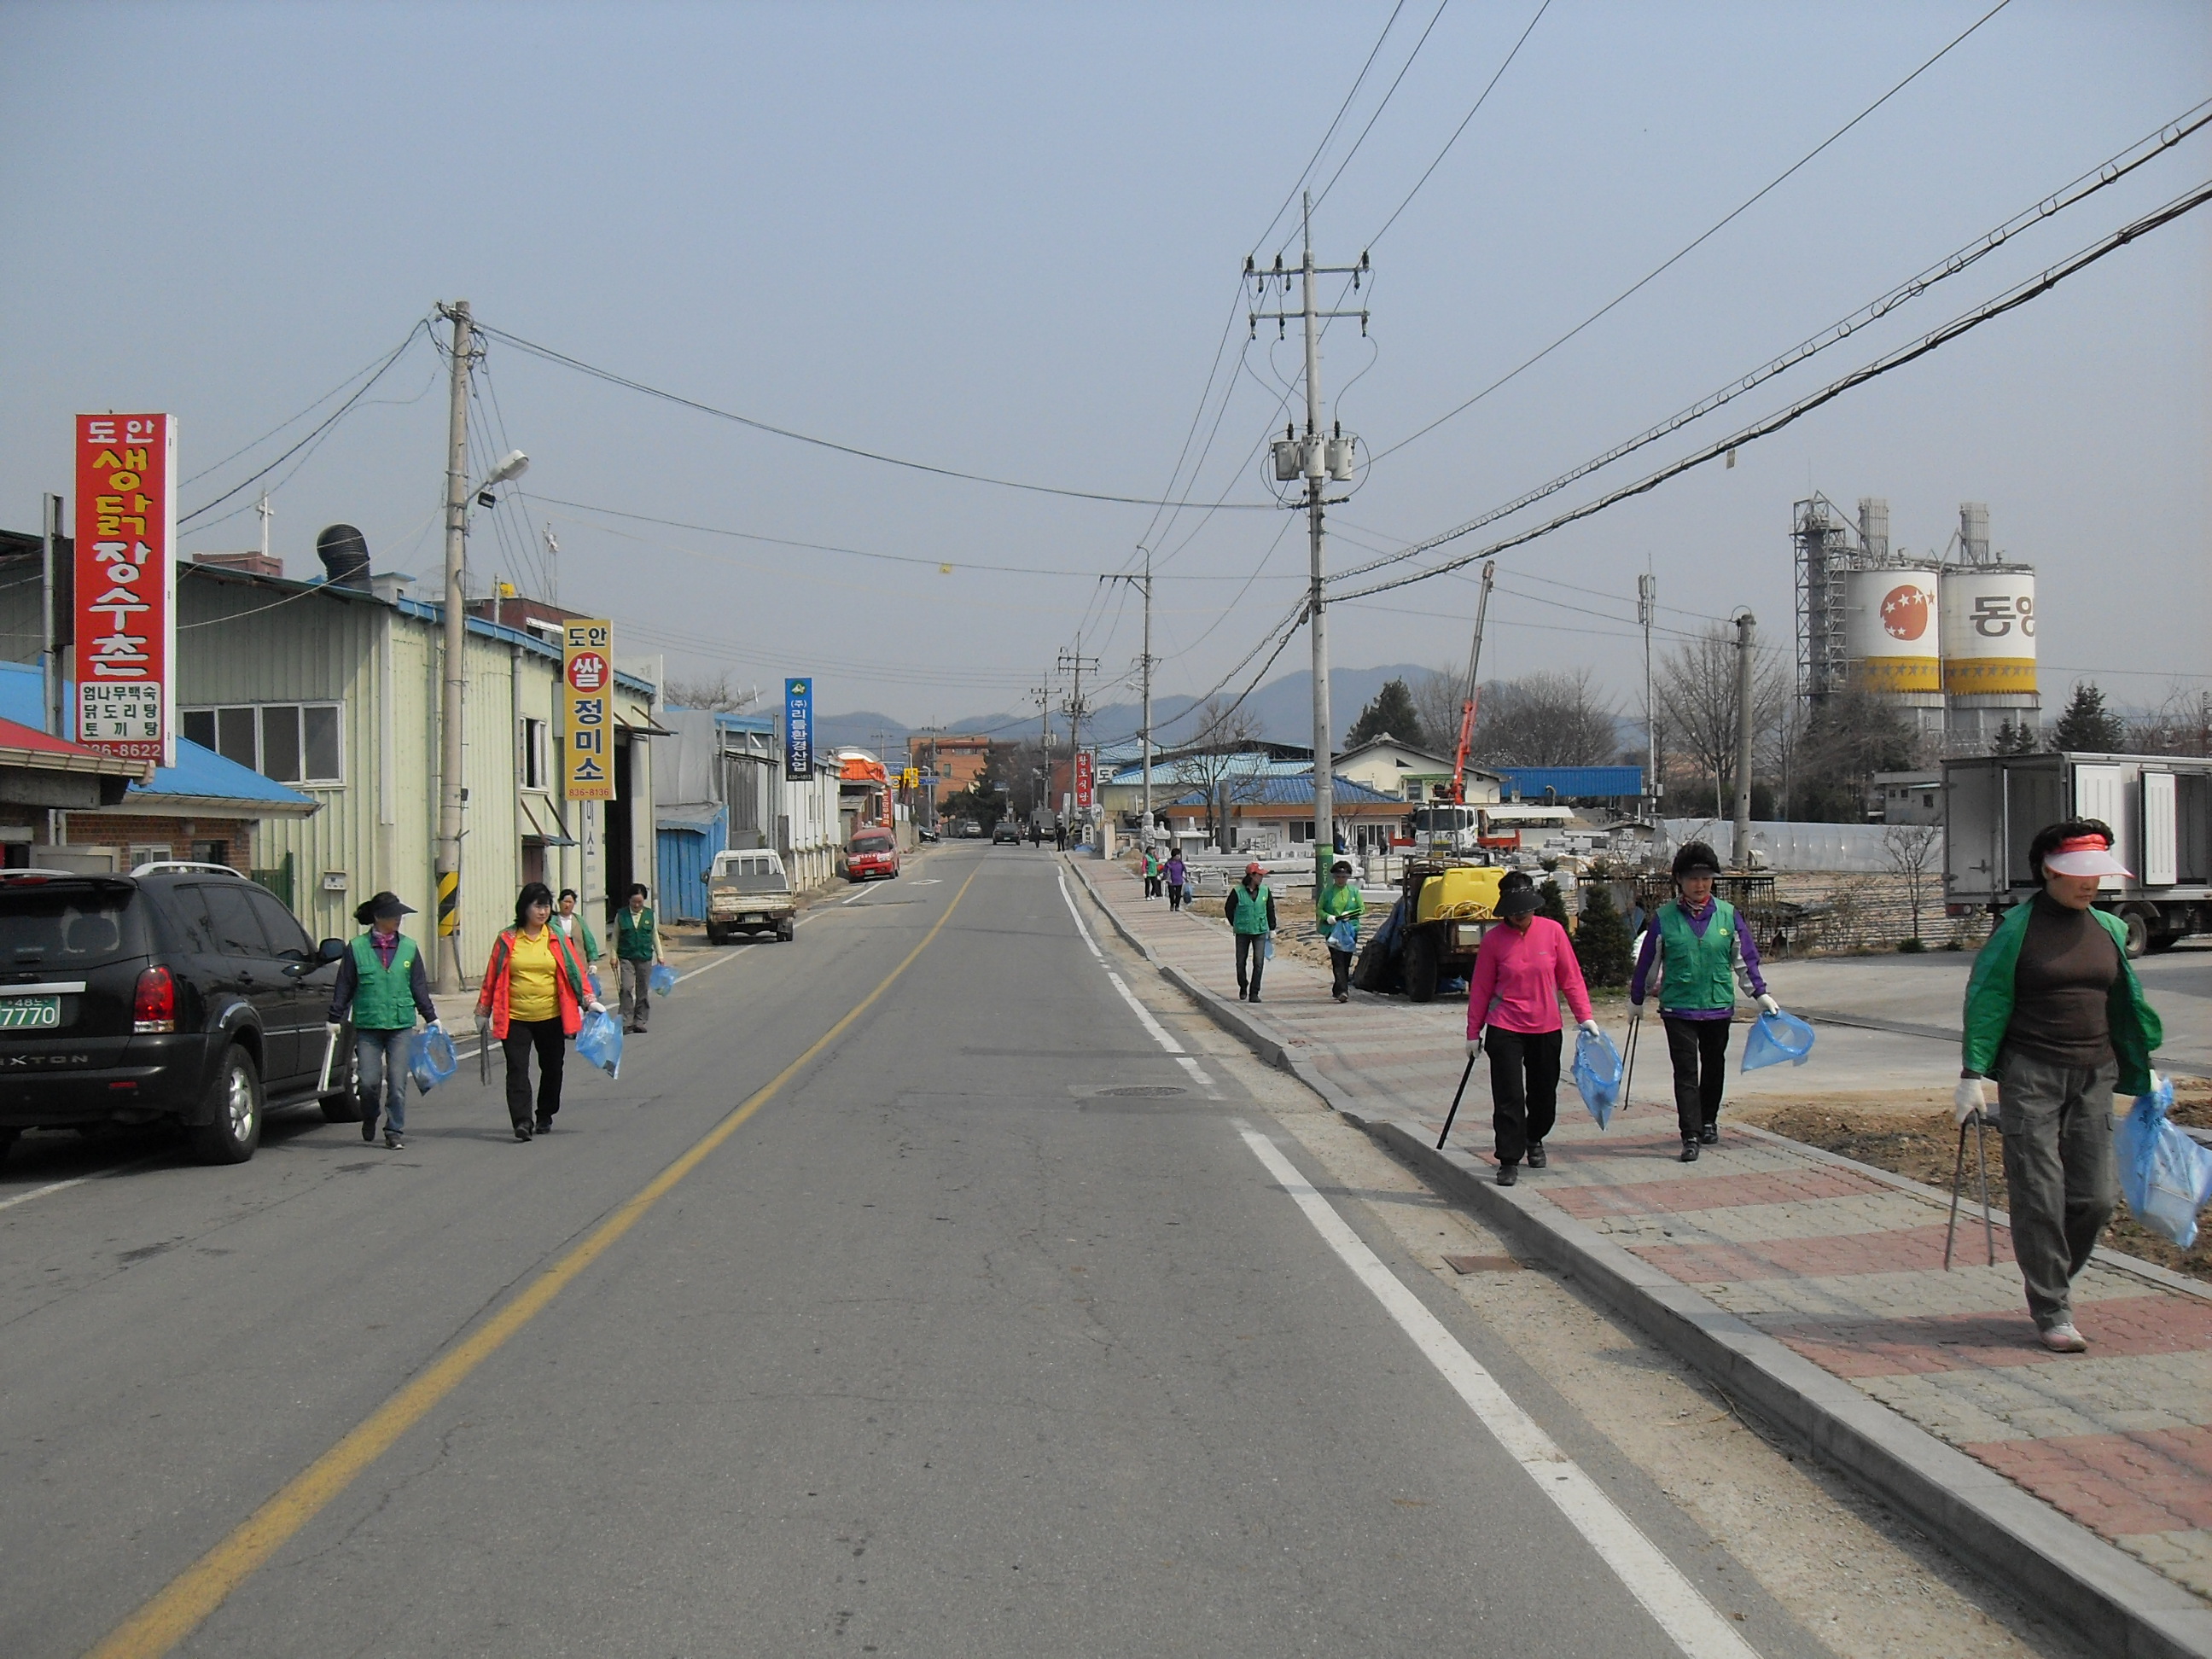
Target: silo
{"type": "Point", "coordinates": [1989, 653]}
{"type": "Point", "coordinates": [1890, 640]}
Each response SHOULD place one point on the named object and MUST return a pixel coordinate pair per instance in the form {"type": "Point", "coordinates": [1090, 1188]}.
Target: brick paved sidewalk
{"type": "Point", "coordinates": [1842, 1263]}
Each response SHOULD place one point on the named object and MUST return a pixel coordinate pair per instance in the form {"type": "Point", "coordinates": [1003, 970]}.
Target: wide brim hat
{"type": "Point", "coordinates": [1519, 901]}
{"type": "Point", "coordinates": [2084, 855]}
{"type": "Point", "coordinates": [383, 904]}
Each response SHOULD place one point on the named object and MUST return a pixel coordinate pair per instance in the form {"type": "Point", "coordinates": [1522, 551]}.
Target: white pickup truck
{"type": "Point", "coordinates": [748, 892]}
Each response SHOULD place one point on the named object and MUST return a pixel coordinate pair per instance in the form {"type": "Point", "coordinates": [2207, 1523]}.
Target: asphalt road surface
{"type": "Point", "coordinates": [906, 1296]}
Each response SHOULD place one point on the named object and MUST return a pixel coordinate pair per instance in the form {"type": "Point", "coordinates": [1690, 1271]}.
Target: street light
{"type": "Point", "coordinates": [513, 465]}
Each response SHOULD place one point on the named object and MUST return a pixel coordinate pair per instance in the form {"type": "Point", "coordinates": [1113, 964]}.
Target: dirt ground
{"type": "Point", "coordinates": [1921, 1142]}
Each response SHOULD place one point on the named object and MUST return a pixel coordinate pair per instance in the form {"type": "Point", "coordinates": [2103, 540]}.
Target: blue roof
{"type": "Point", "coordinates": [199, 773]}
{"type": "Point", "coordinates": [1572, 782]}
{"type": "Point", "coordinates": [1294, 792]}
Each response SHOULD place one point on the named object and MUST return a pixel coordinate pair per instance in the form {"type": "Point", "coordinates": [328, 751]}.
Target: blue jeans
{"type": "Point", "coordinates": [382, 1058]}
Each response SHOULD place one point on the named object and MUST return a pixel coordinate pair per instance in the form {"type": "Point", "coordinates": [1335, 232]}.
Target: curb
{"type": "Point", "coordinates": [2102, 1594]}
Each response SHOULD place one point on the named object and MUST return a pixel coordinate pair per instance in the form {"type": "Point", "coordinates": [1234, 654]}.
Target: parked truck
{"type": "Point", "coordinates": [2160, 807]}
{"type": "Point", "coordinates": [748, 892]}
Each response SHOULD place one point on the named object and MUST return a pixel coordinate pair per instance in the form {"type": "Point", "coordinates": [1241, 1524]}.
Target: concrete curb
{"type": "Point", "coordinates": [2105, 1596]}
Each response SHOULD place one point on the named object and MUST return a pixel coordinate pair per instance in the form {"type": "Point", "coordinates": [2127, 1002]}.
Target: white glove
{"type": "Point", "coordinates": [1768, 1006]}
{"type": "Point", "coordinates": [1589, 1028]}
{"type": "Point", "coordinates": [597, 1007]}
{"type": "Point", "coordinates": [1972, 1095]}
{"type": "Point", "coordinates": [1474, 1043]}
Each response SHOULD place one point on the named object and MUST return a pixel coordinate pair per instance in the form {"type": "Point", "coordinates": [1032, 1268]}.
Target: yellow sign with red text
{"type": "Point", "coordinates": [588, 688]}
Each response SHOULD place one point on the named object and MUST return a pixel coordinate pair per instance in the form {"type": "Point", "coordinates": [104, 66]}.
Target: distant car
{"type": "Point", "coordinates": [1006, 833]}
{"type": "Point", "coordinates": [970, 830]}
{"type": "Point", "coordinates": [873, 855]}
{"type": "Point", "coordinates": [922, 832]}
{"type": "Point", "coordinates": [748, 892]}
{"type": "Point", "coordinates": [181, 993]}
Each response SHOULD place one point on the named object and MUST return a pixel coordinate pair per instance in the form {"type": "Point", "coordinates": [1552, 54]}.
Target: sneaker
{"type": "Point", "coordinates": [1508, 1173]}
{"type": "Point", "coordinates": [522, 1131]}
{"type": "Point", "coordinates": [2062, 1338]}
{"type": "Point", "coordinates": [1710, 1134]}
{"type": "Point", "coordinates": [1537, 1160]}
{"type": "Point", "coordinates": [544, 1126]}
{"type": "Point", "coordinates": [369, 1126]}
{"type": "Point", "coordinates": [1689, 1151]}
{"type": "Point", "coordinates": [393, 1142]}
{"type": "Point", "coordinates": [1255, 997]}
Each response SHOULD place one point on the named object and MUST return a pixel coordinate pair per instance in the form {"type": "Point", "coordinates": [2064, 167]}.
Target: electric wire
{"type": "Point", "coordinates": [286, 425]}
{"type": "Point", "coordinates": [1384, 104]}
{"type": "Point", "coordinates": [1306, 171]}
{"type": "Point", "coordinates": [1690, 246]}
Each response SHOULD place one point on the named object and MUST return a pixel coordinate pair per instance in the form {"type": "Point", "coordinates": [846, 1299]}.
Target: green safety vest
{"type": "Point", "coordinates": [1343, 900]}
{"type": "Point", "coordinates": [383, 998]}
{"type": "Point", "coordinates": [1699, 973]}
{"type": "Point", "coordinates": [1247, 911]}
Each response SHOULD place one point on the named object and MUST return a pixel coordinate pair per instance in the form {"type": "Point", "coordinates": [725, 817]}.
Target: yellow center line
{"type": "Point", "coordinates": [189, 1598]}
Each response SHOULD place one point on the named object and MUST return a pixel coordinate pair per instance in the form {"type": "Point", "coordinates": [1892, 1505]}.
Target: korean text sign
{"type": "Point", "coordinates": [126, 585]}
{"type": "Point", "coordinates": [587, 689]}
{"type": "Point", "coordinates": [1084, 776]}
{"type": "Point", "coordinates": [798, 730]}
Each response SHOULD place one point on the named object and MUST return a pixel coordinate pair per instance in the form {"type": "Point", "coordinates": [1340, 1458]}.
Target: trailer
{"type": "Point", "coordinates": [2160, 807]}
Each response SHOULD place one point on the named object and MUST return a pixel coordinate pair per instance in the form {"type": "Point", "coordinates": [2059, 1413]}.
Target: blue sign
{"type": "Point", "coordinates": [798, 730]}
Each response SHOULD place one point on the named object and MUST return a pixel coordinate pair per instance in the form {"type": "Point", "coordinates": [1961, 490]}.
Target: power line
{"type": "Point", "coordinates": [2010, 300]}
{"type": "Point", "coordinates": [294, 420]}
{"type": "Point", "coordinates": [1691, 247]}
{"type": "Point", "coordinates": [1385, 104]}
{"type": "Point", "coordinates": [1306, 171]}
{"type": "Point", "coordinates": [682, 402]}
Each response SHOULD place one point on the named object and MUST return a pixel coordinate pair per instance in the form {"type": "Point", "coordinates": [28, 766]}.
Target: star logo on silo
{"type": "Point", "coordinates": [1905, 612]}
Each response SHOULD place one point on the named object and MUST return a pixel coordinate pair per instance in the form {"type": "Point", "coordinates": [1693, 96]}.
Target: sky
{"type": "Point", "coordinates": [1008, 240]}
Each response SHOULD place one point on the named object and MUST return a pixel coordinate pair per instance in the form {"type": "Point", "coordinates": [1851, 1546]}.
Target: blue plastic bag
{"type": "Point", "coordinates": [1597, 1075]}
{"type": "Point", "coordinates": [1775, 1038]}
{"type": "Point", "coordinates": [1267, 951]}
{"type": "Point", "coordinates": [2165, 1175]}
{"type": "Point", "coordinates": [1344, 933]}
{"type": "Point", "coordinates": [662, 980]}
{"type": "Point", "coordinates": [600, 1042]}
{"type": "Point", "coordinates": [431, 1059]}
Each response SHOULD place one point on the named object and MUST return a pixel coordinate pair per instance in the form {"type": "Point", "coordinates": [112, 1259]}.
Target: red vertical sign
{"type": "Point", "coordinates": [1083, 781]}
{"type": "Point", "coordinates": [126, 585]}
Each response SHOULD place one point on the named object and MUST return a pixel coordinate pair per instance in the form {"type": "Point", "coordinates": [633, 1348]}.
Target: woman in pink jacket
{"type": "Point", "coordinates": [1524, 967]}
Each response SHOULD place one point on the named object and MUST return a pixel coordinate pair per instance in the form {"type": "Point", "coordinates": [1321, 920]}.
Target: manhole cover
{"type": "Point", "coordinates": [1482, 1264]}
{"type": "Point", "coordinates": [1144, 1091]}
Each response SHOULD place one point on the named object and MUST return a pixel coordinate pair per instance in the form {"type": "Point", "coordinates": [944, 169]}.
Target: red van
{"type": "Point", "coordinates": [874, 853]}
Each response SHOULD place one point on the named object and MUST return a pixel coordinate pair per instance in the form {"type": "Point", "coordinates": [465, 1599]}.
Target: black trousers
{"type": "Point", "coordinates": [1698, 1049]}
{"type": "Point", "coordinates": [1151, 886]}
{"type": "Point", "coordinates": [1174, 897]}
{"type": "Point", "coordinates": [1524, 1088]}
{"type": "Point", "coordinates": [1339, 966]}
{"type": "Point", "coordinates": [1254, 945]}
{"type": "Point", "coordinates": [546, 1036]}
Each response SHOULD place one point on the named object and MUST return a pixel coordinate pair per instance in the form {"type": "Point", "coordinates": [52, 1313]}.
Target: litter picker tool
{"type": "Point", "coordinates": [329, 1057]}
{"type": "Point", "coordinates": [1628, 1057]}
{"type": "Point", "coordinates": [1974, 1121]}
{"type": "Point", "coordinates": [1457, 1093]}
{"type": "Point", "coordinates": [483, 1051]}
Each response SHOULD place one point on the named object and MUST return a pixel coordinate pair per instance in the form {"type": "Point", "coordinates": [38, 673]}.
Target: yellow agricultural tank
{"type": "Point", "coordinates": [1460, 893]}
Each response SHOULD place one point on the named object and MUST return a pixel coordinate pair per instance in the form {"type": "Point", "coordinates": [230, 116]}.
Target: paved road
{"type": "Point", "coordinates": [947, 1347]}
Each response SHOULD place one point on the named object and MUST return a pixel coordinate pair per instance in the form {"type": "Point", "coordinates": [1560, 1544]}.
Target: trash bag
{"type": "Point", "coordinates": [1343, 934]}
{"type": "Point", "coordinates": [662, 980]}
{"type": "Point", "coordinates": [1377, 967]}
{"type": "Point", "coordinates": [1775, 1038]}
{"type": "Point", "coordinates": [431, 1059]}
{"type": "Point", "coordinates": [1597, 1075]}
{"type": "Point", "coordinates": [1270, 948]}
{"type": "Point", "coordinates": [2165, 1175]}
{"type": "Point", "coordinates": [600, 1042]}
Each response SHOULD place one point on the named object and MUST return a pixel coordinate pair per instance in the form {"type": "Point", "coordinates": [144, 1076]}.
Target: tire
{"type": "Point", "coordinates": [786, 933]}
{"type": "Point", "coordinates": [714, 935]}
{"type": "Point", "coordinates": [2138, 926]}
{"type": "Point", "coordinates": [235, 1097]}
{"type": "Point", "coordinates": [1421, 966]}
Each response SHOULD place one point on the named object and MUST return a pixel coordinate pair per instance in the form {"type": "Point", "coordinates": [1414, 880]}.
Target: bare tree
{"type": "Point", "coordinates": [1913, 850]}
{"type": "Point", "coordinates": [1439, 695]}
{"type": "Point", "coordinates": [1545, 720]}
{"type": "Point", "coordinates": [717, 695]}
{"type": "Point", "coordinates": [1695, 692]}
{"type": "Point", "coordinates": [1222, 768]}
{"type": "Point", "coordinates": [2182, 725]}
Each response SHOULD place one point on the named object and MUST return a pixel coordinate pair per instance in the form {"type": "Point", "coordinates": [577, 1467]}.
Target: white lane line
{"type": "Point", "coordinates": [78, 1180]}
{"type": "Point", "coordinates": [1159, 1032]}
{"type": "Point", "coordinates": [1199, 1071]}
{"type": "Point", "coordinates": [1068, 899]}
{"type": "Point", "coordinates": [1691, 1622]}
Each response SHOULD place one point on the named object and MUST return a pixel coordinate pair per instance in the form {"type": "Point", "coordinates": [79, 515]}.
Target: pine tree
{"type": "Point", "coordinates": [2086, 726]}
{"type": "Point", "coordinates": [1601, 942]}
{"type": "Point", "coordinates": [1554, 904]}
{"type": "Point", "coordinates": [1391, 714]}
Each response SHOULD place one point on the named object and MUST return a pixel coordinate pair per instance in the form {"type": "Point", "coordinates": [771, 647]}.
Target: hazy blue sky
{"type": "Point", "coordinates": [1006, 239]}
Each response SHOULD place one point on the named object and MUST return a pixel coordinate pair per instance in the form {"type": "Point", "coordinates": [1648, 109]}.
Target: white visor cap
{"type": "Point", "coordinates": [2084, 855]}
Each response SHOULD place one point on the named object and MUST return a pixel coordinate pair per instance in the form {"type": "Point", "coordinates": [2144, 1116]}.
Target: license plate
{"type": "Point", "coordinates": [17, 1013]}
{"type": "Point", "coordinates": [755, 918]}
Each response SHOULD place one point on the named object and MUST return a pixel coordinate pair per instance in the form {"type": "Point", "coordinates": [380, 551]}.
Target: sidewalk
{"type": "Point", "coordinates": [1812, 1286]}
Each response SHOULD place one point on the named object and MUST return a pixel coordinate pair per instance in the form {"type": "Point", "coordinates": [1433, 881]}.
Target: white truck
{"type": "Point", "coordinates": [2160, 807]}
{"type": "Point", "coordinates": [748, 892]}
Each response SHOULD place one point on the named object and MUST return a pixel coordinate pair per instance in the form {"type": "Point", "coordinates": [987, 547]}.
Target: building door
{"type": "Point", "coordinates": [615, 821]}
{"type": "Point", "coordinates": [533, 861]}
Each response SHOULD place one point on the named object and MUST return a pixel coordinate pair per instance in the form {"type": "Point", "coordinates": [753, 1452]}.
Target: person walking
{"type": "Point", "coordinates": [1151, 873]}
{"type": "Point", "coordinates": [1252, 918]}
{"type": "Point", "coordinates": [637, 948]}
{"type": "Point", "coordinates": [381, 986]}
{"type": "Point", "coordinates": [2057, 1019]}
{"type": "Point", "coordinates": [534, 995]}
{"type": "Point", "coordinates": [1337, 902]}
{"type": "Point", "coordinates": [576, 930]}
{"type": "Point", "coordinates": [1060, 832]}
{"type": "Point", "coordinates": [1176, 874]}
{"type": "Point", "coordinates": [1703, 948]}
{"type": "Point", "coordinates": [1524, 967]}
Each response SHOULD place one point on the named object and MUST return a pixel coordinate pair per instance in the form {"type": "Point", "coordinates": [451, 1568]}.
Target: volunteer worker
{"type": "Point", "coordinates": [1522, 969]}
{"type": "Point", "coordinates": [380, 987]}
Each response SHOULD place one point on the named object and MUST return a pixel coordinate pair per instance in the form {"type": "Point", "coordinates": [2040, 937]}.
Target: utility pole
{"type": "Point", "coordinates": [266, 512]}
{"type": "Point", "coordinates": [1144, 584]}
{"type": "Point", "coordinates": [1318, 461]}
{"type": "Point", "coordinates": [1647, 606]}
{"type": "Point", "coordinates": [1043, 695]}
{"type": "Point", "coordinates": [448, 960]}
{"type": "Point", "coordinates": [1073, 662]}
{"type": "Point", "coordinates": [49, 658]}
{"type": "Point", "coordinates": [552, 567]}
{"type": "Point", "coordinates": [1746, 625]}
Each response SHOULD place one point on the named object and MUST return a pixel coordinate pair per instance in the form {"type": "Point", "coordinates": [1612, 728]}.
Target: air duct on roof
{"type": "Point", "coordinates": [345, 553]}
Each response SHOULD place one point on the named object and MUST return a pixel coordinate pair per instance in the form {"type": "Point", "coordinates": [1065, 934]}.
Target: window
{"type": "Point", "coordinates": [290, 742]}
{"type": "Point", "coordinates": [533, 754]}
{"type": "Point", "coordinates": [286, 937]}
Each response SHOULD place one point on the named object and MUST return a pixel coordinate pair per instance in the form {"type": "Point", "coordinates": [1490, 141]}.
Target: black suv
{"type": "Point", "coordinates": [178, 992]}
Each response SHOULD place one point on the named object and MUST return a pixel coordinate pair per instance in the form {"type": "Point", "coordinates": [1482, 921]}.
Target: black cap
{"type": "Point", "coordinates": [1343, 865]}
{"type": "Point", "coordinates": [1518, 900]}
{"type": "Point", "coordinates": [383, 905]}
{"type": "Point", "coordinates": [1696, 859]}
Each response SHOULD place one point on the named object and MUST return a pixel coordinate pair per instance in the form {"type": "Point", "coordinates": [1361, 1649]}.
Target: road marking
{"type": "Point", "coordinates": [1144, 1016]}
{"type": "Point", "coordinates": [1068, 899]}
{"type": "Point", "coordinates": [189, 1598]}
{"type": "Point", "coordinates": [1199, 1071]}
{"type": "Point", "coordinates": [78, 1180]}
{"type": "Point", "coordinates": [1691, 1622]}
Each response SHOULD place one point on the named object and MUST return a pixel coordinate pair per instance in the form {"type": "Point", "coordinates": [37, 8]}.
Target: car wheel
{"type": "Point", "coordinates": [235, 1097]}
{"type": "Point", "coordinates": [2139, 926]}
{"type": "Point", "coordinates": [715, 936]}
{"type": "Point", "coordinates": [1421, 967]}
{"type": "Point", "coordinates": [788, 931]}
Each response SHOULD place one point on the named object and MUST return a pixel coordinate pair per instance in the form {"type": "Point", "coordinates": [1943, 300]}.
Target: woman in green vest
{"type": "Point", "coordinates": [1337, 901]}
{"type": "Point", "coordinates": [1702, 947]}
{"type": "Point", "coordinates": [1251, 918]}
{"type": "Point", "coordinates": [381, 986]}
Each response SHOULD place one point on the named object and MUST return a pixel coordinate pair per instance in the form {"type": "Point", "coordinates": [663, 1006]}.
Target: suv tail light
{"type": "Point", "coordinates": [154, 1004]}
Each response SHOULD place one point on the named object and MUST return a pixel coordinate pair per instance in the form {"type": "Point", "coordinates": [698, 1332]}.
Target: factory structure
{"type": "Point", "coordinates": [1947, 636]}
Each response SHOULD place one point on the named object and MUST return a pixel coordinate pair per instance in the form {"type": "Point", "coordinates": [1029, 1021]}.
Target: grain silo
{"type": "Point", "coordinates": [1988, 621]}
{"type": "Point", "coordinates": [1891, 639]}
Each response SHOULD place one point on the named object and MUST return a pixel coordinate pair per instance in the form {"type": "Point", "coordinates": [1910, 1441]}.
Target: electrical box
{"type": "Point", "coordinates": [1340, 458]}
{"type": "Point", "coordinates": [1289, 460]}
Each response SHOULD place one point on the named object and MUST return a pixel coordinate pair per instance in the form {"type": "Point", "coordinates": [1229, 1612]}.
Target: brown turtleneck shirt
{"type": "Point", "coordinates": [2067, 965]}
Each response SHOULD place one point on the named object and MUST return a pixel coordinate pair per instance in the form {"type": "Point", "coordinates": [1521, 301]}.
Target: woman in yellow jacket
{"type": "Point", "coordinates": [535, 992]}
